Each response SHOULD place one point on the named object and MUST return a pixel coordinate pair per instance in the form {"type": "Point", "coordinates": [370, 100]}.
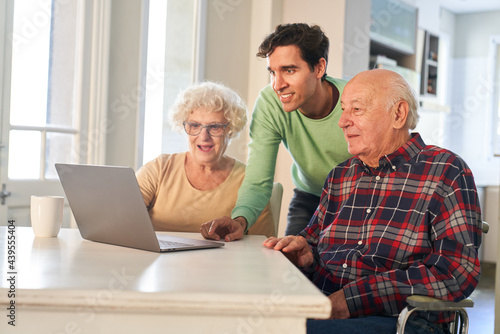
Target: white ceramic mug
{"type": "Point", "coordinates": [46, 215]}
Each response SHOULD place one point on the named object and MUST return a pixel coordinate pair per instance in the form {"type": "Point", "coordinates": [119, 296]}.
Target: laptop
{"type": "Point", "coordinates": [108, 207]}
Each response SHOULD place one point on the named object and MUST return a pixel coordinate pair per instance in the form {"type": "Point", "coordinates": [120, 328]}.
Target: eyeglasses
{"type": "Point", "coordinates": [214, 130]}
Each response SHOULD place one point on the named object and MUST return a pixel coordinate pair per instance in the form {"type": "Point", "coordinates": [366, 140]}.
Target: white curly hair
{"type": "Point", "coordinates": [214, 97]}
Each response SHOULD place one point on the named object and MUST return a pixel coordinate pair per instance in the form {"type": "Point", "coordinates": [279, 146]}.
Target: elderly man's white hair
{"type": "Point", "coordinates": [402, 91]}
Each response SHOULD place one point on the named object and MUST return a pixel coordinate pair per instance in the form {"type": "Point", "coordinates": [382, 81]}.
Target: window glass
{"type": "Point", "coordinates": [43, 85]}
{"type": "Point", "coordinates": [59, 149]}
{"type": "Point", "coordinates": [63, 69]}
{"type": "Point", "coordinates": [24, 154]}
{"type": "Point", "coordinates": [30, 63]}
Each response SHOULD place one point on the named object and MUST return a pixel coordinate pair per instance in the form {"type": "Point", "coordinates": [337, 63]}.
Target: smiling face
{"type": "Point", "coordinates": [372, 127]}
{"type": "Point", "coordinates": [205, 149]}
{"type": "Point", "coordinates": [292, 78]}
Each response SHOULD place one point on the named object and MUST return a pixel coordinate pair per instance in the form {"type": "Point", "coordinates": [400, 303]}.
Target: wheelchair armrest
{"type": "Point", "coordinates": [485, 227]}
{"type": "Point", "coordinates": [434, 304]}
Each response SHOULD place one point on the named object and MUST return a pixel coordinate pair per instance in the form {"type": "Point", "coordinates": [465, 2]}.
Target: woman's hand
{"type": "Point", "coordinates": [295, 248]}
{"type": "Point", "coordinates": [224, 228]}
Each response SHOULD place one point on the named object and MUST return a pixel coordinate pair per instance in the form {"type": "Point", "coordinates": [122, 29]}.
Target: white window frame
{"type": "Point", "coordinates": [91, 83]}
{"type": "Point", "coordinates": [91, 101]}
{"type": "Point", "coordinates": [93, 97]}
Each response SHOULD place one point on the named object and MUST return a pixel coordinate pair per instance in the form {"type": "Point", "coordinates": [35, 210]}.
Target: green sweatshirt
{"type": "Point", "coordinates": [316, 146]}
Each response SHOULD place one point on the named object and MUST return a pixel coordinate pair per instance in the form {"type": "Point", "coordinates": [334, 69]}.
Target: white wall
{"type": "Point", "coordinates": [125, 88]}
{"type": "Point", "coordinates": [356, 42]}
{"type": "Point", "coordinates": [330, 16]}
{"type": "Point", "coordinates": [474, 31]}
{"type": "Point", "coordinates": [428, 15]}
{"type": "Point", "coordinates": [472, 109]}
{"type": "Point", "coordinates": [468, 127]}
{"type": "Point", "coordinates": [472, 98]}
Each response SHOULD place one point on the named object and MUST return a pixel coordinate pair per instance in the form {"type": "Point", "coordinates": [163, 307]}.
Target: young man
{"type": "Point", "coordinates": [301, 109]}
{"type": "Point", "coordinates": [399, 218]}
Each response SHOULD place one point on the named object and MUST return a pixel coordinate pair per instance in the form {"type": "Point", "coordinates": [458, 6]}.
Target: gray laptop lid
{"type": "Point", "coordinates": [108, 207]}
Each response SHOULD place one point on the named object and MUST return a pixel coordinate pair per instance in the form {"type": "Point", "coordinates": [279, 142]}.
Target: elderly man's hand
{"type": "Point", "coordinates": [339, 305]}
{"type": "Point", "coordinates": [295, 248]}
{"type": "Point", "coordinates": [224, 228]}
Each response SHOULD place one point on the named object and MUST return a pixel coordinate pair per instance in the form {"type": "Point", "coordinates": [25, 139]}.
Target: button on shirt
{"type": "Point", "coordinates": [410, 226]}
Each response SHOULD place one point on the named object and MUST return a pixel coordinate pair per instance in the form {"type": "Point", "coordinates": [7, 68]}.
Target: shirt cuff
{"type": "Point", "coordinates": [360, 299]}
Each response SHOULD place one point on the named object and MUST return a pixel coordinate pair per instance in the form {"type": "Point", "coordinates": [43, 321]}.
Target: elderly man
{"type": "Point", "coordinates": [398, 218]}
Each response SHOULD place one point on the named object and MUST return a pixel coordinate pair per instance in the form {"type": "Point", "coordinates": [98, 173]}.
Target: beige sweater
{"type": "Point", "coordinates": [174, 205]}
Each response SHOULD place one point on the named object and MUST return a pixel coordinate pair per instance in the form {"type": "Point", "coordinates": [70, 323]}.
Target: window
{"type": "Point", "coordinates": [43, 116]}
{"type": "Point", "coordinates": [172, 65]}
{"type": "Point", "coordinates": [59, 52]}
{"type": "Point", "coordinates": [53, 65]}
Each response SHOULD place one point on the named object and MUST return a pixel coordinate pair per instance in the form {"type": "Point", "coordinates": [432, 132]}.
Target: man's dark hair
{"type": "Point", "coordinates": [311, 41]}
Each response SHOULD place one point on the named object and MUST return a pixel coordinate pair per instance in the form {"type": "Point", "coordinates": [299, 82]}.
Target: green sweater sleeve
{"type": "Point", "coordinates": [316, 146]}
{"type": "Point", "coordinates": [265, 139]}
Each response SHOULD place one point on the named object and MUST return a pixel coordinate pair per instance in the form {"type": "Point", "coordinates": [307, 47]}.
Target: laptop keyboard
{"type": "Point", "coordinates": [171, 244]}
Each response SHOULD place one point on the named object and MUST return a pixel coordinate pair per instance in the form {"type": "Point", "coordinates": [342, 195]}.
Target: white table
{"type": "Point", "coordinates": [70, 285]}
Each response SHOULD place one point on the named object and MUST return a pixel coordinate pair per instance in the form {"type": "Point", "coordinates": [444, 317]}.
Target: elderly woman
{"type": "Point", "coordinates": [182, 191]}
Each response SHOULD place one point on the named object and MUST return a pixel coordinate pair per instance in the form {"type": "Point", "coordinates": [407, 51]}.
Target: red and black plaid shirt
{"type": "Point", "coordinates": [411, 226]}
